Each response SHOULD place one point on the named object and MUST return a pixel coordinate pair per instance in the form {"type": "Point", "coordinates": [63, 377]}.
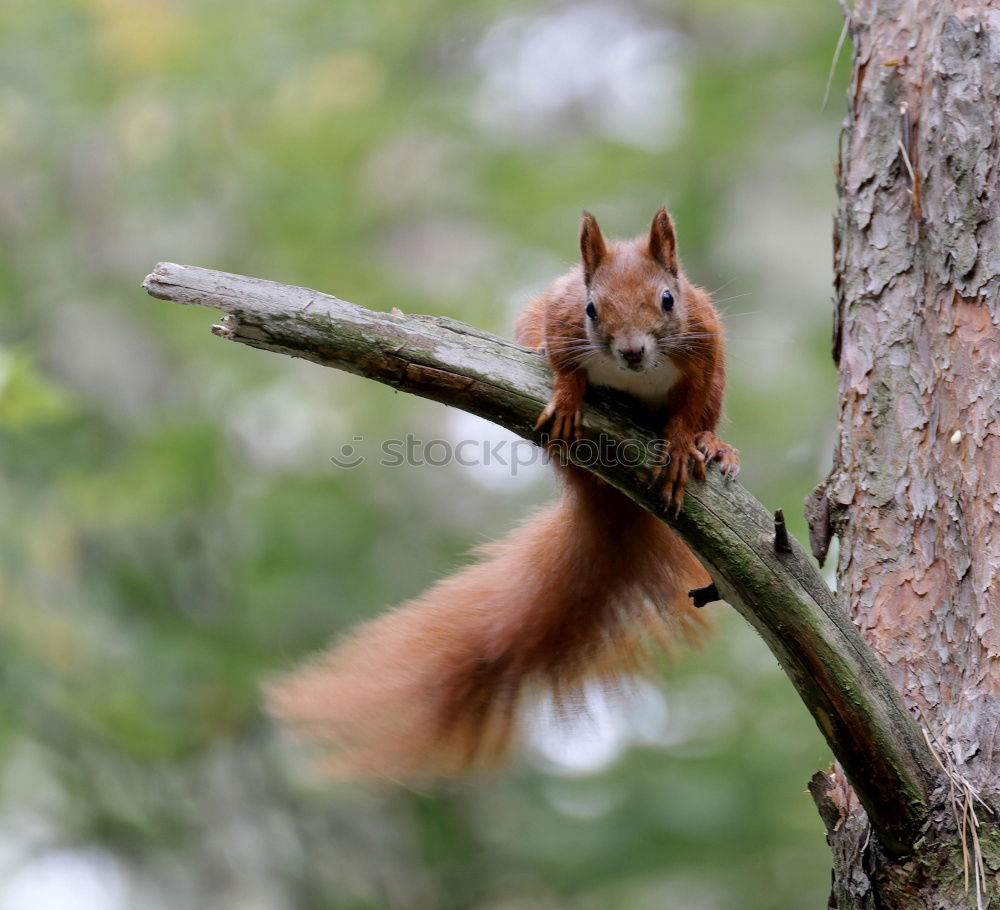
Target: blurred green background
{"type": "Point", "coordinates": [174, 531]}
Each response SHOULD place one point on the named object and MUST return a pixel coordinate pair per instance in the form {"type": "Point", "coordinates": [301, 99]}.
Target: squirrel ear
{"type": "Point", "coordinates": [663, 241]}
{"type": "Point", "coordinates": [592, 246]}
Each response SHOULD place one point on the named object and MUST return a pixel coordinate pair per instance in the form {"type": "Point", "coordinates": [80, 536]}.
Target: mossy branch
{"type": "Point", "coordinates": [772, 583]}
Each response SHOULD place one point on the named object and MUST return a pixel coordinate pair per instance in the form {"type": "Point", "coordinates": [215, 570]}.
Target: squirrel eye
{"type": "Point", "coordinates": [591, 310]}
{"type": "Point", "coordinates": [668, 301]}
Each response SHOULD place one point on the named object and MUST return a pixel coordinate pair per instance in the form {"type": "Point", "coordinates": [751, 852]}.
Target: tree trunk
{"type": "Point", "coordinates": [913, 495]}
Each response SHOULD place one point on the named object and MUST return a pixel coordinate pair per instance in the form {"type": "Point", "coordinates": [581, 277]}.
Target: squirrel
{"type": "Point", "coordinates": [434, 688]}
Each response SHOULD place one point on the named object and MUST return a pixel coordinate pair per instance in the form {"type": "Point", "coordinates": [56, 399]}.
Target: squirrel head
{"type": "Point", "coordinates": [636, 297]}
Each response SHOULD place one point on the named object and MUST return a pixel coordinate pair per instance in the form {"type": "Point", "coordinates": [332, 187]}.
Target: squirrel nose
{"type": "Point", "coordinates": [633, 356]}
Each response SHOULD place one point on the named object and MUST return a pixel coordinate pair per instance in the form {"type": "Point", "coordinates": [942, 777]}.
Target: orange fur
{"type": "Point", "coordinates": [433, 688]}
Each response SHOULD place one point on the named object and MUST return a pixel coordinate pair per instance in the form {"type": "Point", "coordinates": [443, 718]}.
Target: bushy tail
{"type": "Point", "coordinates": [433, 687]}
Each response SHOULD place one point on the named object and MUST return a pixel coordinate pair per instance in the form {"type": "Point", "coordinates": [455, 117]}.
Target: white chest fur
{"type": "Point", "coordinates": [650, 386]}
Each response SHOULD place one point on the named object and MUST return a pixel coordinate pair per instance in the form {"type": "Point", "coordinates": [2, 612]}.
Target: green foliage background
{"type": "Point", "coordinates": [174, 531]}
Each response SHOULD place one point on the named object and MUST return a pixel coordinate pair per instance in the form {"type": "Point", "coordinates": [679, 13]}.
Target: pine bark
{"type": "Point", "coordinates": [914, 494]}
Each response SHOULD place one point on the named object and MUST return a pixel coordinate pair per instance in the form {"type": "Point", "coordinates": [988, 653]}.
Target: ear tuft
{"type": "Point", "coordinates": [592, 247]}
{"type": "Point", "coordinates": [663, 240]}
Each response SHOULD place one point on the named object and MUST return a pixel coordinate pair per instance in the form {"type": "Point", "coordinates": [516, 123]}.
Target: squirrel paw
{"type": "Point", "coordinates": [560, 424]}
{"type": "Point", "coordinates": [679, 453]}
{"type": "Point", "coordinates": [714, 449]}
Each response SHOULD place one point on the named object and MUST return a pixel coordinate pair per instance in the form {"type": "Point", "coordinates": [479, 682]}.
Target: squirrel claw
{"type": "Point", "coordinates": [714, 449]}
{"type": "Point", "coordinates": [545, 417]}
{"type": "Point", "coordinates": [563, 426]}
{"type": "Point", "coordinates": [675, 469]}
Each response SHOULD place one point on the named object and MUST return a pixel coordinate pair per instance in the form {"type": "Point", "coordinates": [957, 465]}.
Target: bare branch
{"type": "Point", "coordinates": [782, 544]}
{"type": "Point", "coordinates": [781, 594]}
{"type": "Point", "coordinates": [701, 597]}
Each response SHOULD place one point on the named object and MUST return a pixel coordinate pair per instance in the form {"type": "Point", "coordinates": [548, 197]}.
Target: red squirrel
{"type": "Point", "coordinates": [434, 687]}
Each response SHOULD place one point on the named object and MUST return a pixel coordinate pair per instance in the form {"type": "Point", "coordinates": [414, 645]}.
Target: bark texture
{"type": "Point", "coordinates": [913, 494]}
